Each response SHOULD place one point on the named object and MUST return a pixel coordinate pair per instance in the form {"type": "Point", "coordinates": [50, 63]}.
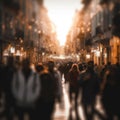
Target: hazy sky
{"type": "Point", "coordinates": [61, 13]}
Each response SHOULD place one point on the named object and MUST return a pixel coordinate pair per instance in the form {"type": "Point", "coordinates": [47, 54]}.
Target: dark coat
{"type": "Point", "coordinates": [89, 82]}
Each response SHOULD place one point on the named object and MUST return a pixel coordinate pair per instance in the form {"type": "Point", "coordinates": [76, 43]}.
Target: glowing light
{"type": "Point", "coordinates": [12, 50]}
{"type": "Point", "coordinates": [61, 13]}
{"type": "Point", "coordinates": [88, 56]}
{"type": "Point", "coordinates": [98, 53]}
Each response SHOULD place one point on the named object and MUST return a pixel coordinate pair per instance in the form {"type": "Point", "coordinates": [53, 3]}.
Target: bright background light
{"type": "Point", "coordinates": [61, 13]}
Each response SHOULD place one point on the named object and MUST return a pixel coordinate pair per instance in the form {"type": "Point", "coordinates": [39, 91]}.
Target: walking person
{"type": "Point", "coordinates": [89, 82]}
{"type": "Point", "coordinates": [74, 89]}
{"type": "Point", "coordinates": [110, 88]}
{"type": "Point", "coordinates": [40, 70]}
{"type": "Point", "coordinates": [2, 100]}
{"type": "Point", "coordinates": [51, 91]}
{"type": "Point", "coordinates": [6, 80]}
{"type": "Point", "coordinates": [26, 90]}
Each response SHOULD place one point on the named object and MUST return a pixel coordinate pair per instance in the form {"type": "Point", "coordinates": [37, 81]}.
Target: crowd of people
{"type": "Point", "coordinates": [28, 90]}
{"type": "Point", "coordinates": [34, 91]}
{"type": "Point", "coordinates": [91, 80]}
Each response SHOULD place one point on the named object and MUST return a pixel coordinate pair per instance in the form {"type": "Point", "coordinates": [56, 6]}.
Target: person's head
{"type": "Point", "coordinates": [74, 67]}
{"type": "Point", "coordinates": [90, 65]}
{"type": "Point", "coordinates": [39, 67]}
{"type": "Point", "coordinates": [51, 65]}
{"type": "Point", "coordinates": [80, 66]}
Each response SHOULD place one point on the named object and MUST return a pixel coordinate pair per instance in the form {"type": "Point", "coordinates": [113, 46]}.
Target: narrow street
{"type": "Point", "coordinates": [78, 38]}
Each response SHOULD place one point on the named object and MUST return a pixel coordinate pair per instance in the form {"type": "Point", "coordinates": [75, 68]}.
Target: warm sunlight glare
{"type": "Point", "coordinates": [61, 13]}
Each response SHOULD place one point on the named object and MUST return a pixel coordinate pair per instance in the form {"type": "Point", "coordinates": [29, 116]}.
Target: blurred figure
{"type": "Point", "coordinates": [67, 67]}
{"type": "Point", "coordinates": [6, 80]}
{"type": "Point", "coordinates": [39, 68]}
{"type": "Point", "coordinates": [26, 90]}
{"type": "Point", "coordinates": [57, 76]}
{"type": "Point", "coordinates": [1, 77]}
{"type": "Point", "coordinates": [74, 89]}
{"type": "Point", "coordinates": [104, 69]}
{"type": "Point", "coordinates": [2, 98]}
{"type": "Point", "coordinates": [80, 67]}
{"type": "Point", "coordinates": [51, 91]}
{"type": "Point", "coordinates": [61, 68]}
{"type": "Point", "coordinates": [97, 69]}
{"type": "Point", "coordinates": [89, 82]}
{"type": "Point", "coordinates": [110, 92]}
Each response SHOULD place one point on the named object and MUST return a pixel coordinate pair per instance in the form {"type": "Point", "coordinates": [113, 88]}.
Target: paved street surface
{"type": "Point", "coordinates": [62, 112]}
